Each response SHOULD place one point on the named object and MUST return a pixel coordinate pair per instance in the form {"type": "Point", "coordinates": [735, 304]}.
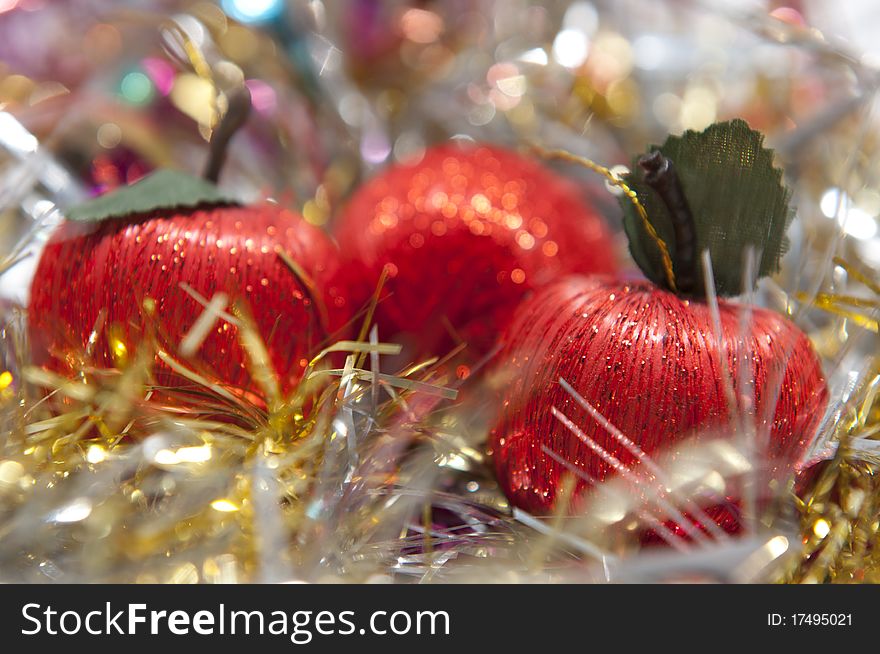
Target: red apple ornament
{"type": "Point", "coordinates": [130, 265]}
{"type": "Point", "coordinates": [464, 234]}
{"type": "Point", "coordinates": [647, 357]}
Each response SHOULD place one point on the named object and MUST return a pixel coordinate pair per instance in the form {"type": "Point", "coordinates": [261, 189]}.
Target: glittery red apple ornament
{"type": "Point", "coordinates": [649, 362]}
{"type": "Point", "coordinates": [464, 234]}
{"type": "Point", "coordinates": [647, 358]}
{"type": "Point", "coordinates": [134, 264]}
{"type": "Point", "coordinates": [98, 274]}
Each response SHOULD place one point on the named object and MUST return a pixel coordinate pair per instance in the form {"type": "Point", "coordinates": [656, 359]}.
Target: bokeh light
{"type": "Point", "coordinates": [136, 88]}
{"type": "Point", "coordinates": [253, 11]}
{"type": "Point", "coordinates": [570, 48]}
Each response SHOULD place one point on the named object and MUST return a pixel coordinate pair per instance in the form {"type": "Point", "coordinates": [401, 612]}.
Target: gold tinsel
{"type": "Point", "coordinates": [839, 505]}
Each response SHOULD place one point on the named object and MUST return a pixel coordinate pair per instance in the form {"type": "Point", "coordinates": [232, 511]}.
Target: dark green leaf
{"type": "Point", "coordinates": [737, 198]}
{"type": "Point", "coordinates": [162, 190]}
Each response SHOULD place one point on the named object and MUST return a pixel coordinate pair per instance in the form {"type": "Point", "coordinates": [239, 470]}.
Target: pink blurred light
{"type": "Point", "coordinates": [789, 15]}
{"type": "Point", "coordinates": [263, 96]}
{"type": "Point", "coordinates": [8, 5]}
{"type": "Point", "coordinates": [160, 72]}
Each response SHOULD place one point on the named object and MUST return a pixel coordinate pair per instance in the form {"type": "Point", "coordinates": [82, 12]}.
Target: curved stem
{"type": "Point", "coordinates": [236, 115]}
{"type": "Point", "coordinates": [660, 175]}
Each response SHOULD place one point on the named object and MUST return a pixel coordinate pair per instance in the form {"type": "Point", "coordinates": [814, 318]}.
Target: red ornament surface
{"type": "Point", "coordinates": [465, 233]}
{"type": "Point", "coordinates": [649, 362]}
{"type": "Point", "coordinates": [114, 265]}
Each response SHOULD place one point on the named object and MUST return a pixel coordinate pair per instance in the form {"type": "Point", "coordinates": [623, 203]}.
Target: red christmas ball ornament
{"type": "Point", "coordinates": [99, 275]}
{"type": "Point", "coordinates": [464, 235]}
{"type": "Point", "coordinates": [141, 262]}
{"type": "Point", "coordinates": [646, 355]}
{"type": "Point", "coordinates": [649, 362]}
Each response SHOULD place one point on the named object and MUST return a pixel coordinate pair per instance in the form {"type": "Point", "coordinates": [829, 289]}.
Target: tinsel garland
{"type": "Point", "coordinates": [347, 480]}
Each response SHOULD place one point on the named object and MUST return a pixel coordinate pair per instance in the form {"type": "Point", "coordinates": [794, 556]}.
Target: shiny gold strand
{"type": "Point", "coordinates": [839, 508]}
{"type": "Point", "coordinates": [631, 195]}
{"type": "Point", "coordinates": [175, 496]}
{"type": "Point", "coordinates": [839, 523]}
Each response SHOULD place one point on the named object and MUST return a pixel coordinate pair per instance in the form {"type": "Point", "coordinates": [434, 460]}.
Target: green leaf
{"type": "Point", "coordinates": [737, 198]}
{"type": "Point", "coordinates": [162, 190]}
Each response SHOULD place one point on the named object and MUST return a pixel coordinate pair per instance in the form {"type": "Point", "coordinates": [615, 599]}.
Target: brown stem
{"type": "Point", "coordinates": [660, 175]}
{"type": "Point", "coordinates": [236, 115]}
